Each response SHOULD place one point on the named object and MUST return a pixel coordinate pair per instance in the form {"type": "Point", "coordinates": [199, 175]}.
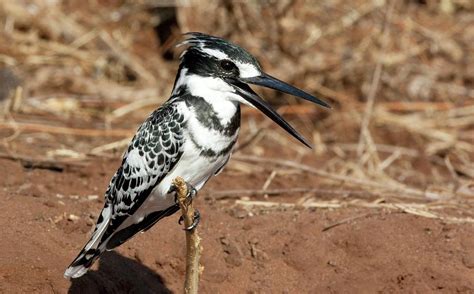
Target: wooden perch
{"type": "Point", "coordinates": [193, 242]}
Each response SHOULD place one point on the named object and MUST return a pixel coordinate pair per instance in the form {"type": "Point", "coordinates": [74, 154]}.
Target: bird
{"type": "Point", "coordinates": [191, 135]}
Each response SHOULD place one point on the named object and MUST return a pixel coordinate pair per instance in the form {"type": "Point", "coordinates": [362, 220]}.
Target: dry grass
{"type": "Point", "coordinates": [399, 74]}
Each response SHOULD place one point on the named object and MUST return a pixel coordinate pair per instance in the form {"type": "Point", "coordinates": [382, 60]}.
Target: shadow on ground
{"type": "Point", "coordinates": [119, 274]}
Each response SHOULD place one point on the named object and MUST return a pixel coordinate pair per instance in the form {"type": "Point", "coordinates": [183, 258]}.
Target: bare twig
{"type": "Point", "coordinates": [351, 180]}
{"type": "Point", "coordinates": [366, 142]}
{"type": "Point", "coordinates": [347, 220]}
{"type": "Point", "coordinates": [269, 181]}
{"type": "Point", "coordinates": [31, 127]}
{"type": "Point", "coordinates": [43, 163]}
{"type": "Point", "coordinates": [110, 146]}
{"type": "Point", "coordinates": [238, 193]}
{"type": "Point", "coordinates": [418, 209]}
{"type": "Point", "coordinates": [193, 241]}
{"type": "Point", "coordinates": [249, 140]}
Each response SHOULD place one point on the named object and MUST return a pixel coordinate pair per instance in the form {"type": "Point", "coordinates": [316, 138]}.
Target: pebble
{"type": "Point", "coordinates": [239, 213]}
{"type": "Point", "coordinates": [50, 203]}
{"type": "Point", "coordinates": [468, 260]}
{"type": "Point", "coordinates": [92, 197]}
{"type": "Point", "coordinates": [73, 218]}
{"type": "Point", "coordinates": [89, 222]}
{"type": "Point", "coordinates": [233, 253]}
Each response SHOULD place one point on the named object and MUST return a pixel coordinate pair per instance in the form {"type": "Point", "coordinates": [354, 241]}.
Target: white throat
{"type": "Point", "coordinates": [214, 91]}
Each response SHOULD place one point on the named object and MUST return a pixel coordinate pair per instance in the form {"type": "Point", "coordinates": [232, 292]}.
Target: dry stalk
{"type": "Point", "coordinates": [418, 209]}
{"type": "Point", "coordinates": [240, 193]}
{"type": "Point", "coordinates": [392, 186]}
{"type": "Point", "coordinates": [117, 145]}
{"type": "Point", "coordinates": [43, 163]}
{"type": "Point", "coordinates": [193, 241]}
{"type": "Point", "coordinates": [347, 220]}
{"type": "Point", "coordinates": [32, 127]}
{"type": "Point", "coordinates": [365, 139]}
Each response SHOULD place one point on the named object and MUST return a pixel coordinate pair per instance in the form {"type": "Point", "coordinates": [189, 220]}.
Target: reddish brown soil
{"type": "Point", "coordinates": [260, 252]}
{"type": "Point", "coordinates": [48, 213]}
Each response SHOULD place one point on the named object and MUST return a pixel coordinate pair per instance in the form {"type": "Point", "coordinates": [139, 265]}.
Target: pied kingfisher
{"type": "Point", "coordinates": [191, 135]}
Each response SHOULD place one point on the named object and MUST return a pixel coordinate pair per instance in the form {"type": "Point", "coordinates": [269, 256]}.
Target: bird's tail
{"type": "Point", "coordinates": [93, 248]}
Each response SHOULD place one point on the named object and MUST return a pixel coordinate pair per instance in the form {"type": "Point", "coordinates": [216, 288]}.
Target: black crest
{"type": "Point", "coordinates": [198, 42]}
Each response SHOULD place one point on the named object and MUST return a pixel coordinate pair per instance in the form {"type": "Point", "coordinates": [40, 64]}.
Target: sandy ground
{"type": "Point", "coordinates": [258, 252]}
{"type": "Point", "coordinates": [80, 61]}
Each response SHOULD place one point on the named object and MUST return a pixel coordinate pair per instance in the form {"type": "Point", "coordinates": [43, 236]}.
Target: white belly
{"type": "Point", "coordinates": [193, 168]}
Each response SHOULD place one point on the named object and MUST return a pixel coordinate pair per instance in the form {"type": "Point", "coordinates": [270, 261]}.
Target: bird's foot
{"type": "Point", "coordinates": [196, 219]}
{"type": "Point", "coordinates": [191, 192]}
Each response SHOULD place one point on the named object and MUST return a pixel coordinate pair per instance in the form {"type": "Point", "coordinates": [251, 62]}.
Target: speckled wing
{"type": "Point", "coordinates": [152, 153]}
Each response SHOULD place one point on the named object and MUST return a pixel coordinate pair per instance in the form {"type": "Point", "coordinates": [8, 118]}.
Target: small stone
{"type": "Point", "coordinates": [50, 203]}
{"type": "Point", "coordinates": [233, 253]}
{"type": "Point", "coordinates": [257, 253]}
{"type": "Point", "coordinates": [239, 212]}
{"type": "Point", "coordinates": [92, 197]}
{"type": "Point", "coordinates": [253, 241]}
{"type": "Point", "coordinates": [468, 260]}
{"type": "Point", "coordinates": [38, 190]}
{"type": "Point", "coordinates": [246, 227]}
{"type": "Point", "coordinates": [25, 186]}
{"type": "Point", "coordinates": [73, 218]}
{"type": "Point", "coordinates": [58, 218]}
{"type": "Point", "coordinates": [224, 241]}
{"type": "Point", "coordinates": [253, 251]}
{"type": "Point", "coordinates": [450, 235]}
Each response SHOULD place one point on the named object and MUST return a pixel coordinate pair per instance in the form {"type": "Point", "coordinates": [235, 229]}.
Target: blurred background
{"type": "Point", "coordinates": [78, 77]}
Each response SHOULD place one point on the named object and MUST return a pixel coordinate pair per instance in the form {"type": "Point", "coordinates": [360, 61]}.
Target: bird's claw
{"type": "Point", "coordinates": [196, 219]}
{"type": "Point", "coordinates": [192, 192]}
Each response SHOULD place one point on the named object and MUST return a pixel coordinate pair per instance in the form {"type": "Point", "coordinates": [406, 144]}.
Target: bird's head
{"type": "Point", "coordinates": [213, 64]}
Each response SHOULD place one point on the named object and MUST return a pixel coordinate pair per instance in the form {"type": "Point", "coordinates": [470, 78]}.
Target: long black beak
{"type": "Point", "coordinates": [265, 80]}
{"type": "Point", "coordinates": [268, 81]}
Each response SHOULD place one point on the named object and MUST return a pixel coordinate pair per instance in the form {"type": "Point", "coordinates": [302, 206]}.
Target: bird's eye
{"type": "Point", "coordinates": [227, 65]}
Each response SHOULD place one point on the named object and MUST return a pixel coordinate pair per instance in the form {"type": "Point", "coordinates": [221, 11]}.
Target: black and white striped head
{"type": "Point", "coordinates": [212, 56]}
{"type": "Point", "coordinates": [212, 66]}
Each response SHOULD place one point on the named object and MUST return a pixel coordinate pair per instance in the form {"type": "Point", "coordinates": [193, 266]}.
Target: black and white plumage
{"type": "Point", "coordinates": [192, 136]}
